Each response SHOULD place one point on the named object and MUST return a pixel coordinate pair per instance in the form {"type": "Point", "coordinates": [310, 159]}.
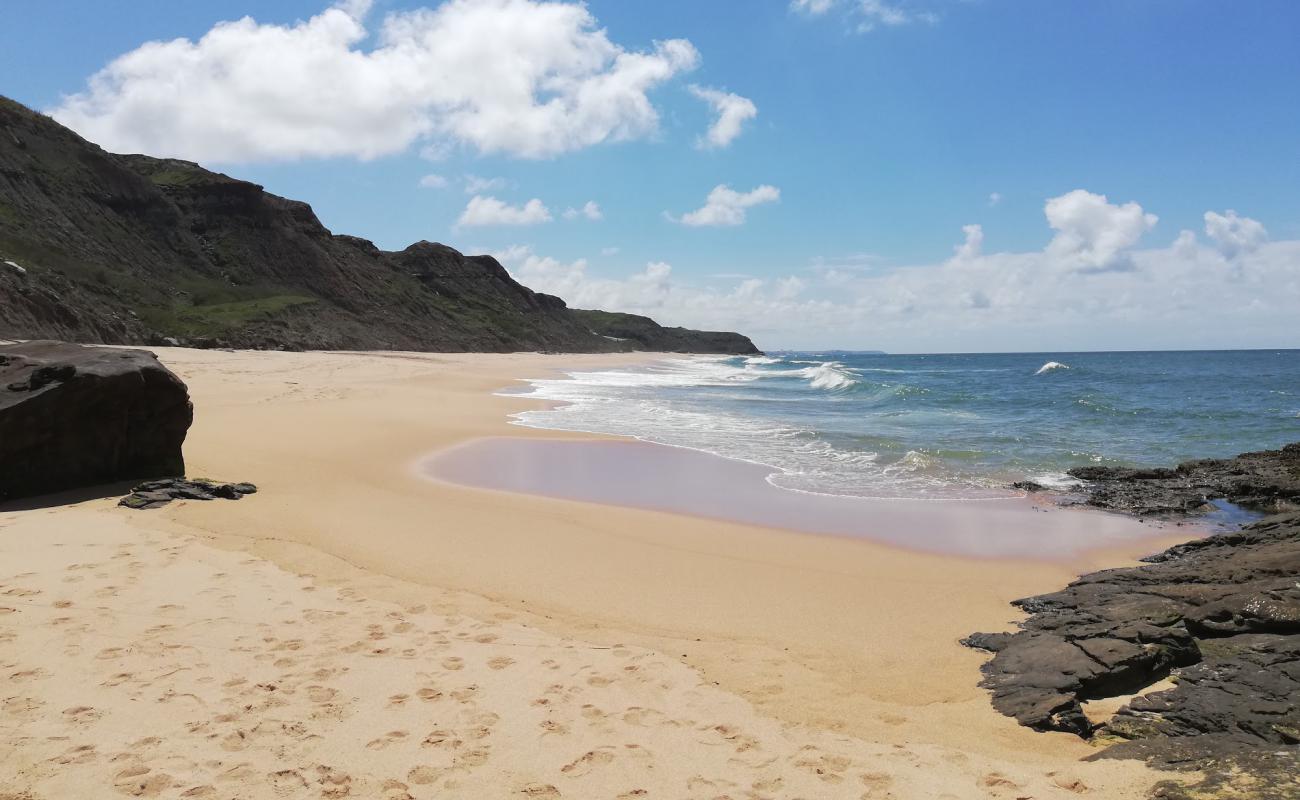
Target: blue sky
{"type": "Point", "coordinates": [881, 129]}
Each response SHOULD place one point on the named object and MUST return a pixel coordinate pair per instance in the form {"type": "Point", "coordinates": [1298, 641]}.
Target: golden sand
{"type": "Point", "coordinates": [357, 630]}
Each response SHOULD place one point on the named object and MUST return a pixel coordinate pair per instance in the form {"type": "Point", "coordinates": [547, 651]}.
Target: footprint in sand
{"type": "Point", "coordinates": [827, 767]}
{"type": "Point", "coordinates": [453, 663]}
{"type": "Point", "coordinates": [287, 781]}
{"type": "Point", "coordinates": [542, 791]}
{"type": "Point", "coordinates": [333, 783]}
{"type": "Point", "coordinates": [423, 775]}
{"type": "Point", "coordinates": [396, 790]}
{"type": "Point", "coordinates": [500, 662]}
{"type": "Point", "coordinates": [140, 781]}
{"type": "Point", "coordinates": [390, 738]}
{"type": "Point", "coordinates": [82, 714]}
{"type": "Point", "coordinates": [876, 784]}
{"type": "Point", "coordinates": [551, 726]}
{"type": "Point", "coordinates": [997, 781]}
{"type": "Point", "coordinates": [81, 754]}
{"type": "Point", "coordinates": [584, 764]}
{"type": "Point", "coordinates": [442, 739]}
{"type": "Point", "coordinates": [471, 758]}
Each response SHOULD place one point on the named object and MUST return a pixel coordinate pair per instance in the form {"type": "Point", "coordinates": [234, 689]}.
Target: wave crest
{"type": "Point", "coordinates": [829, 375]}
{"type": "Point", "coordinates": [1051, 366]}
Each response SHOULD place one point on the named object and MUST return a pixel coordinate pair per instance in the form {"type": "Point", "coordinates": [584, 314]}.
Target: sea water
{"type": "Point", "coordinates": [938, 426]}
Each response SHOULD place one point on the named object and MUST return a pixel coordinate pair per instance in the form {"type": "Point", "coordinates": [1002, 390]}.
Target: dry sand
{"type": "Point", "coordinates": [357, 630]}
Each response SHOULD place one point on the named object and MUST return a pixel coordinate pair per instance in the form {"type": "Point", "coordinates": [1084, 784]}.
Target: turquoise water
{"type": "Point", "coordinates": [940, 425]}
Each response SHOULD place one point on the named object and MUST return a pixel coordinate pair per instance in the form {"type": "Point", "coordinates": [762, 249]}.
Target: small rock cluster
{"type": "Point", "coordinates": [156, 494]}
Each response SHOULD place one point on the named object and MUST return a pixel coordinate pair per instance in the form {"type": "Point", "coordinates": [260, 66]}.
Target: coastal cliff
{"type": "Point", "coordinates": [129, 249]}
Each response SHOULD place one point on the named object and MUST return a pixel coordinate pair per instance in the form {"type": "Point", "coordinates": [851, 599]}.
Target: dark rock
{"type": "Point", "coordinates": [106, 241]}
{"type": "Point", "coordinates": [1266, 481]}
{"type": "Point", "coordinates": [155, 494]}
{"type": "Point", "coordinates": [991, 642]}
{"type": "Point", "coordinates": [73, 416]}
{"type": "Point", "coordinates": [1029, 486]}
{"type": "Point", "coordinates": [1221, 614]}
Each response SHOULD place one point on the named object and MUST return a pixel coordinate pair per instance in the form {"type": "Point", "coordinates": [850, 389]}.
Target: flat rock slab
{"type": "Point", "coordinates": [74, 416]}
{"type": "Point", "coordinates": [156, 494]}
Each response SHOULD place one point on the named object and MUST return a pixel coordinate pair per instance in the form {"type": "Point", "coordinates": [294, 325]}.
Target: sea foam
{"type": "Point", "coordinates": [1051, 366]}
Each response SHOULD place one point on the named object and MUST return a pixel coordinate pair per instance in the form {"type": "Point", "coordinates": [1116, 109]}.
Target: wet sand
{"type": "Point", "coordinates": [356, 629]}
{"type": "Point", "coordinates": [682, 481]}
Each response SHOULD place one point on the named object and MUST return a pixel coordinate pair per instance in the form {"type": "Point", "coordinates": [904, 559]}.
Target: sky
{"type": "Point", "coordinates": [900, 175]}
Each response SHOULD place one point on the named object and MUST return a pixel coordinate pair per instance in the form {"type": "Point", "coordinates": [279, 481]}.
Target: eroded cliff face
{"type": "Point", "coordinates": [132, 249]}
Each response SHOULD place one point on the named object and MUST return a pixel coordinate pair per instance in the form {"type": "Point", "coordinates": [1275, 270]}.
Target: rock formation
{"type": "Point", "coordinates": [114, 249]}
{"type": "Point", "coordinates": [1267, 481]}
{"type": "Point", "coordinates": [156, 494]}
{"type": "Point", "coordinates": [1220, 615]}
{"type": "Point", "coordinates": [74, 416]}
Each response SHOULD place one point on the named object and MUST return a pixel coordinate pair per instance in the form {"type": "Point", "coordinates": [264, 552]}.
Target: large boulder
{"type": "Point", "coordinates": [74, 416]}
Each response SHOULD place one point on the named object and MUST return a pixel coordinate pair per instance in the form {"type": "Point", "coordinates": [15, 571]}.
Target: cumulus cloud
{"type": "Point", "coordinates": [1234, 235]}
{"type": "Point", "coordinates": [590, 210]}
{"type": "Point", "coordinates": [483, 211]}
{"type": "Point", "coordinates": [525, 78]}
{"type": "Point", "coordinates": [1092, 234]}
{"type": "Point", "coordinates": [813, 7]}
{"type": "Point", "coordinates": [974, 242]}
{"type": "Point", "coordinates": [995, 198]}
{"type": "Point", "coordinates": [1185, 294]}
{"type": "Point", "coordinates": [727, 207]}
{"type": "Point", "coordinates": [867, 15]}
{"type": "Point", "coordinates": [433, 182]}
{"type": "Point", "coordinates": [475, 184]}
{"type": "Point", "coordinates": [733, 112]}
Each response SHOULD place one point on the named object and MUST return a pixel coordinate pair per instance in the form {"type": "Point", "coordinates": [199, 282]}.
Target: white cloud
{"type": "Point", "coordinates": [525, 78]}
{"type": "Point", "coordinates": [732, 110]}
{"type": "Point", "coordinates": [725, 206]}
{"type": "Point", "coordinates": [995, 198]}
{"type": "Point", "coordinates": [590, 210]}
{"type": "Point", "coordinates": [482, 211]}
{"type": "Point", "coordinates": [974, 242]}
{"type": "Point", "coordinates": [433, 182]}
{"type": "Point", "coordinates": [475, 184]}
{"type": "Point", "coordinates": [814, 7]}
{"type": "Point", "coordinates": [867, 15]}
{"type": "Point", "coordinates": [1092, 234]}
{"type": "Point", "coordinates": [1234, 235]}
{"type": "Point", "coordinates": [1185, 294]}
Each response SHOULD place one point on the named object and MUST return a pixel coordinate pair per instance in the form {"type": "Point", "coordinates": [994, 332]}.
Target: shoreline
{"type": "Point", "coordinates": [846, 638]}
{"type": "Point", "coordinates": [629, 472]}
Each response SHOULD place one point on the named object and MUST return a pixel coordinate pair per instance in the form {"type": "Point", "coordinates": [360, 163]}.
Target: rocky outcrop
{"type": "Point", "coordinates": [156, 494]}
{"type": "Point", "coordinates": [1221, 615]}
{"type": "Point", "coordinates": [1267, 481]}
{"type": "Point", "coordinates": [73, 416]}
{"type": "Point", "coordinates": [643, 333]}
{"type": "Point", "coordinates": [128, 249]}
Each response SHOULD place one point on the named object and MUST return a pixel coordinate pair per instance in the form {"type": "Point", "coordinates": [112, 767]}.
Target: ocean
{"type": "Point", "coordinates": [938, 426]}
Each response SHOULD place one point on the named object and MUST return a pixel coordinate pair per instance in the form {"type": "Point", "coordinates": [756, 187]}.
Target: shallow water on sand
{"type": "Point", "coordinates": [685, 481]}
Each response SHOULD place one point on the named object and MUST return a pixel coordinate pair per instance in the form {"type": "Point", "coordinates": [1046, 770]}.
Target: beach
{"type": "Point", "coordinates": [358, 629]}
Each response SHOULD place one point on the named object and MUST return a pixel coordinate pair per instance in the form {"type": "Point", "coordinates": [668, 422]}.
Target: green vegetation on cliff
{"type": "Point", "coordinates": [129, 249]}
